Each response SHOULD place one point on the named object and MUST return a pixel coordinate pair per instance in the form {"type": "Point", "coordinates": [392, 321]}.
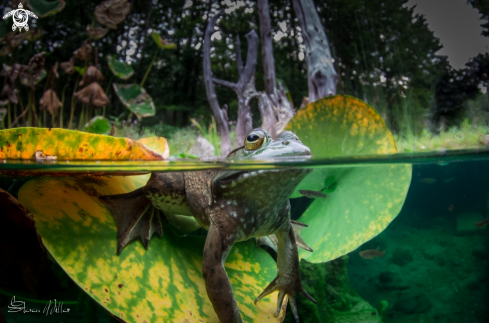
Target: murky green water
{"type": "Point", "coordinates": [436, 262]}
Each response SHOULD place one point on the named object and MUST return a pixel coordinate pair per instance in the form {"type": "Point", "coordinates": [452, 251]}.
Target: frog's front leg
{"type": "Point", "coordinates": [288, 280]}
{"type": "Point", "coordinates": [217, 247]}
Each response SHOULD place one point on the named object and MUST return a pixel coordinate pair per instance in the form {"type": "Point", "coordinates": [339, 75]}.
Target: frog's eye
{"type": "Point", "coordinates": [255, 140]}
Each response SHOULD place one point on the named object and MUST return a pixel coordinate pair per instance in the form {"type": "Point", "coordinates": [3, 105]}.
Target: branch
{"type": "Point", "coordinates": [321, 75]}
{"type": "Point", "coordinates": [251, 60]}
{"type": "Point", "coordinates": [239, 62]}
{"type": "Point", "coordinates": [267, 46]}
{"type": "Point", "coordinates": [225, 83]}
{"type": "Point", "coordinates": [222, 125]}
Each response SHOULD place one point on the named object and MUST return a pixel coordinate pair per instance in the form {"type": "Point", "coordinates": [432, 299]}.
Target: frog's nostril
{"type": "Point", "coordinates": [285, 143]}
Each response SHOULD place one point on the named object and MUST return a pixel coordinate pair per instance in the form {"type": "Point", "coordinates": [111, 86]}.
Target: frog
{"type": "Point", "coordinates": [233, 206]}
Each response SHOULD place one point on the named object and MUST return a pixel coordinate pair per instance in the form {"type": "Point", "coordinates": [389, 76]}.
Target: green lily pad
{"type": "Point", "coordinates": [119, 69]}
{"type": "Point", "coordinates": [99, 125]}
{"type": "Point", "coordinates": [135, 98]}
{"type": "Point", "coordinates": [361, 200]}
{"type": "Point", "coordinates": [161, 284]}
{"type": "Point", "coordinates": [160, 42]}
{"type": "Point", "coordinates": [44, 8]}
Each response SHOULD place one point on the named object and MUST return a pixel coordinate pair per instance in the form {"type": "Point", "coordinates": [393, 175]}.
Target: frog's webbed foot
{"type": "Point", "coordinates": [288, 280]}
{"type": "Point", "coordinates": [134, 216]}
{"type": "Point", "coordinates": [272, 241]}
{"type": "Point", "coordinates": [297, 228]}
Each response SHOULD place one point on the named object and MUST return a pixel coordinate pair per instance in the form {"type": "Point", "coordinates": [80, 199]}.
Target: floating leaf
{"type": "Point", "coordinates": [157, 144]}
{"type": "Point", "coordinates": [340, 126]}
{"type": "Point", "coordinates": [119, 69]}
{"type": "Point", "coordinates": [100, 125]}
{"type": "Point", "coordinates": [362, 200]}
{"type": "Point", "coordinates": [44, 8]}
{"type": "Point", "coordinates": [160, 42]}
{"type": "Point", "coordinates": [22, 143]}
{"type": "Point", "coordinates": [135, 98]}
{"type": "Point", "coordinates": [161, 284]}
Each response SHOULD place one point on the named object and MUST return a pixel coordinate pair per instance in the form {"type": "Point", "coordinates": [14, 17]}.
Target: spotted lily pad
{"type": "Point", "coordinates": [161, 284]}
{"type": "Point", "coordinates": [135, 98]}
{"type": "Point", "coordinates": [119, 69]}
{"type": "Point", "coordinates": [46, 8]}
{"type": "Point", "coordinates": [157, 144]}
{"type": "Point", "coordinates": [361, 200]}
{"type": "Point", "coordinates": [22, 143]}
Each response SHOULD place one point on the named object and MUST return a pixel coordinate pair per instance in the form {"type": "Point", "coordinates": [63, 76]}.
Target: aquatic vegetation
{"type": "Point", "coordinates": [157, 275]}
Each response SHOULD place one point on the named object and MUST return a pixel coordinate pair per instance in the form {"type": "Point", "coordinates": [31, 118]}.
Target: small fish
{"type": "Point", "coordinates": [482, 223]}
{"type": "Point", "coordinates": [450, 208]}
{"type": "Point", "coordinates": [428, 180]}
{"type": "Point", "coordinates": [371, 253]}
{"type": "Point", "coordinates": [312, 194]}
{"type": "Point", "coordinates": [448, 180]}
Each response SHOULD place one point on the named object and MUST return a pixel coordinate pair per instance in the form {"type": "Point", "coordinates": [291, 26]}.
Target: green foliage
{"type": "Point", "coordinates": [80, 70]}
{"type": "Point", "coordinates": [98, 125]}
{"type": "Point", "coordinates": [135, 98]}
{"type": "Point", "coordinates": [44, 8]}
{"type": "Point", "coordinates": [119, 69]}
{"type": "Point", "coordinates": [160, 42]}
{"type": "Point", "coordinates": [211, 134]}
{"type": "Point", "coordinates": [465, 136]}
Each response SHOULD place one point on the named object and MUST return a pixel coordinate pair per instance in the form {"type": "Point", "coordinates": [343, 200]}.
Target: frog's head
{"type": "Point", "coordinates": [260, 145]}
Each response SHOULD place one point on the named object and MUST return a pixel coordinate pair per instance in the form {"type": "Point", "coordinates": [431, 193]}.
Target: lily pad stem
{"type": "Point", "coordinates": [9, 112]}
{"type": "Point", "coordinates": [73, 103]}
{"type": "Point", "coordinates": [62, 106]}
{"type": "Point", "coordinates": [148, 70]}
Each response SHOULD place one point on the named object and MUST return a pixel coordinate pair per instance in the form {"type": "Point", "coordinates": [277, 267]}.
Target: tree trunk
{"type": "Point", "coordinates": [245, 87]}
{"type": "Point", "coordinates": [275, 108]}
{"type": "Point", "coordinates": [321, 74]}
{"type": "Point", "coordinates": [221, 119]}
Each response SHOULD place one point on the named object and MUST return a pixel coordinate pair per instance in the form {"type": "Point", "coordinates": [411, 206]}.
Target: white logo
{"type": "Point", "coordinates": [20, 17]}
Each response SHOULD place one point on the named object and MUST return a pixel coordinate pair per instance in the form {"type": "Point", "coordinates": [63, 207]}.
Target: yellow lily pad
{"type": "Point", "coordinates": [161, 284]}
{"type": "Point", "coordinates": [22, 143]}
{"type": "Point", "coordinates": [157, 144]}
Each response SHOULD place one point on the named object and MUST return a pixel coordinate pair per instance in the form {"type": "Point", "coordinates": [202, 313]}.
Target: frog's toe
{"type": "Point", "coordinates": [134, 216]}
{"type": "Point", "coordinates": [285, 286]}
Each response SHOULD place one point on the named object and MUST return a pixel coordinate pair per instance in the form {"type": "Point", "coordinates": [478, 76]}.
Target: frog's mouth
{"type": "Point", "coordinates": [230, 177]}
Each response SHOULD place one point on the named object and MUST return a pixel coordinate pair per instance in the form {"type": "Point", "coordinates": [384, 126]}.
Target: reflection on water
{"type": "Point", "coordinates": [432, 264]}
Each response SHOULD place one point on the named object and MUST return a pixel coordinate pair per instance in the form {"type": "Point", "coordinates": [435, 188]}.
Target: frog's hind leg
{"type": "Point", "coordinates": [134, 216]}
{"type": "Point", "coordinates": [288, 280]}
{"type": "Point", "coordinates": [217, 247]}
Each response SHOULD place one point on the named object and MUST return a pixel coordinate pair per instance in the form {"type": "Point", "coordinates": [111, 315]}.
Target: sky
{"type": "Point", "coordinates": [457, 25]}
